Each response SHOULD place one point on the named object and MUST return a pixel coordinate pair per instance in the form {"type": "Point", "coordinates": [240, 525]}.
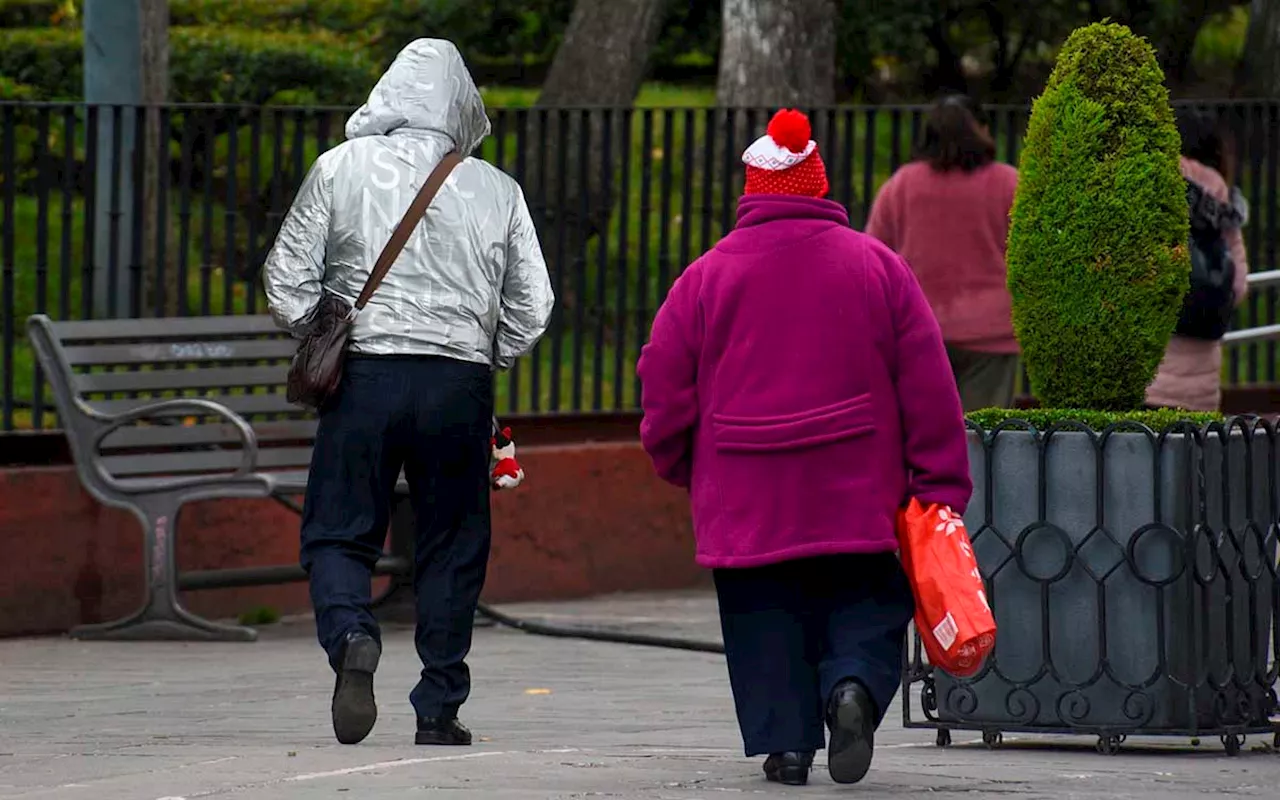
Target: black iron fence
{"type": "Point", "coordinates": [179, 224]}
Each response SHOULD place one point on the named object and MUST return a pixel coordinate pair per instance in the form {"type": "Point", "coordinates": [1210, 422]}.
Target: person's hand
{"type": "Point", "coordinates": [505, 471]}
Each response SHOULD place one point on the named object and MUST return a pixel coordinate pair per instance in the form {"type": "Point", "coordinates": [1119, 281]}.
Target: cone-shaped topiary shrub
{"type": "Point", "coordinates": [1098, 261]}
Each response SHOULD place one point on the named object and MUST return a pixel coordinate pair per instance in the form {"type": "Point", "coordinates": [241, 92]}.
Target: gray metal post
{"type": "Point", "coordinates": [113, 77]}
{"type": "Point", "coordinates": [125, 65]}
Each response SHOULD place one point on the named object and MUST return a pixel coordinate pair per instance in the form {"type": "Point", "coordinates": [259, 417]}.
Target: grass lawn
{"type": "Point", "coordinates": [652, 95]}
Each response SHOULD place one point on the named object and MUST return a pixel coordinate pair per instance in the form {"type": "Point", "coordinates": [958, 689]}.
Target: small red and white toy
{"type": "Point", "coordinates": [505, 471]}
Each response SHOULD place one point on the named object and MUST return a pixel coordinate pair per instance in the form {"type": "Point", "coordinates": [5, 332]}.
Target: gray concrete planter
{"type": "Point", "coordinates": [1133, 577]}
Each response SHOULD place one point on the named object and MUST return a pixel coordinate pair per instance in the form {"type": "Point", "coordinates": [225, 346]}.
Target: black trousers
{"type": "Point", "coordinates": [431, 417]}
{"type": "Point", "coordinates": [794, 631]}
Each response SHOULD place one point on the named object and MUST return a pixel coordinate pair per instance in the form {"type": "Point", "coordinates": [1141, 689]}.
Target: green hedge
{"type": "Point", "coordinates": [221, 65]}
{"type": "Point", "coordinates": [1044, 418]}
{"type": "Point", "coordinates": [339, 16]}
{"type": "Point", "coordinates": [499, 38]}
{"type": "Point", "coordinates": [1098, 262]}
{"type": "Point", "coordinates": [49, 60]}
{"type": "Point", "coordinates": [482, 29]}
{"type": "Point", "coordinates": [238, 66]}
{"type": "Point", "coordinates": [12, 90]}
{"type": "Point", "coordinates": [34, 13]}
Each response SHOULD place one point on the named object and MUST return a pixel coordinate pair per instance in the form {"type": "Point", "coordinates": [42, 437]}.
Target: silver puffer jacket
{"type": "Point", "coordinates": [471, 283]}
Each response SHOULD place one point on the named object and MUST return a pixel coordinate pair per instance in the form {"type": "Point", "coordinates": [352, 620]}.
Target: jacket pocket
{"type": "Point", "coordinates": [839, 422]}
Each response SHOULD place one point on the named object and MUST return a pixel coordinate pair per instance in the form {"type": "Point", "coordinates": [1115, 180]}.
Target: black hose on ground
{"type": "Point", "coordinates": [588, 634]}
{"type": "Point", "coordinates": [596, 635]}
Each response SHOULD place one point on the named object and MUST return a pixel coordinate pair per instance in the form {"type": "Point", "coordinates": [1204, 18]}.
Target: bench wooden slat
{"type": "Point", "coordinates": [162, 328]}
{"type": "Point", "coordinates": [243, 404]}
{"type": "Point", "coordinates": [163, 380]}
{"type": "Point", "coordinates": [207, 461]}
{"type": "Point", "coordinates": [159, 436]}
{"type": "Point", "coordinates": [179, 352]}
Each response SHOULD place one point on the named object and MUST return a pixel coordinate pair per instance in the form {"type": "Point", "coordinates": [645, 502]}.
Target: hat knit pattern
{"type": "Point", "coordinates": [786, 160]}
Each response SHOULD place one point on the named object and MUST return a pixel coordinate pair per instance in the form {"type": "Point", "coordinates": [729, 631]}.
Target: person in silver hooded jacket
{"type": "Point", "coordinates": [469, 294]}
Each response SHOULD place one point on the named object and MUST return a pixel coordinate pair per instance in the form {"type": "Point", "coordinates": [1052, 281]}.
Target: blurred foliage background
{"type": "Point", "coordinates": [306, 52]}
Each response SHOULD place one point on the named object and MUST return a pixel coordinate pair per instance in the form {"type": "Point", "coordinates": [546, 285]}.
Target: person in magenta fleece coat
{"type": "Point", "coordinates": [797, 384]}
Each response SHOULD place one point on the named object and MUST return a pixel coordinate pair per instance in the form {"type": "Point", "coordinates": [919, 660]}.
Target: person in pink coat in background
{"type": "Point", "coordinates": [947, 214]}
{"type": "Point", "coordinates": [796, 383]}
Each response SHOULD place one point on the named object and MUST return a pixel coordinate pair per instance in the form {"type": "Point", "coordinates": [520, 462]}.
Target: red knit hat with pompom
{"type": "Point", "coordinates": [786, 159]}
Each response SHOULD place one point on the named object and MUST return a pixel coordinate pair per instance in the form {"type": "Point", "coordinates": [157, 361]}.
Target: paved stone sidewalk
{"type": "Point", "coordinates": [558, 719]}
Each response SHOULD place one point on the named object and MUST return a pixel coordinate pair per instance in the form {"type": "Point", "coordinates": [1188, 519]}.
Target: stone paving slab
{"type": "Point", "coordinates": [557, 719]}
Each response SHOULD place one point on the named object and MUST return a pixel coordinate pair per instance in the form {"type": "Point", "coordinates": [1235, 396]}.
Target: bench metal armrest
{"type": "Point", "coordinates": [248, 438]}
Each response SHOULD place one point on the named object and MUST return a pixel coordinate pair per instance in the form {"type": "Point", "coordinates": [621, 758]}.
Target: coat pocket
{"type": "Point", "coordinates": [818, 427]}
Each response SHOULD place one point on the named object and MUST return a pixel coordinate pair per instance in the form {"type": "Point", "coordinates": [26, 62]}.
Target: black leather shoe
{"type": "Point", "coordinates": [790, 769]}
{"type": "Point", "coordinates": [446, 732]}
{"type": "Point", "coordinates": [354, 709]}
{"type": "Point", "coordinates": [851, 716]}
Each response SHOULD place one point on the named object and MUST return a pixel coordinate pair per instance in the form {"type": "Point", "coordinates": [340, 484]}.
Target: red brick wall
{"type": "Point", "coordinates": [590, 519]}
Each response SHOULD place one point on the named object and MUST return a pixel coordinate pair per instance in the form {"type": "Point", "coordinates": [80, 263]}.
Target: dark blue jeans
{"type": "Point", "coordinates": [794, 631]}
{"type": "Point", "coordinates": [431, 417]}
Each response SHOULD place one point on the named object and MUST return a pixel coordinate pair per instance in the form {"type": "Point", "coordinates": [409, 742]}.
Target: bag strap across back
{"type": "Point", "coordinates": [400, 236]}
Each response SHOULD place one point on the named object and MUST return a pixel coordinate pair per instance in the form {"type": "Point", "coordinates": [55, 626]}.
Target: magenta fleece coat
{"type": "Point", "coordinates": [797, 384]}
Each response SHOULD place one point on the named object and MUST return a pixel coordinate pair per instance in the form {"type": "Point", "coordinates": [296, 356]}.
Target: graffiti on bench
{"type": "Point", "coordinates": [185, 351]}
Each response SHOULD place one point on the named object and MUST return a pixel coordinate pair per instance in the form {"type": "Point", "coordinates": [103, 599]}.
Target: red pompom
{"type": "Point", "coordinates": [790, 129]}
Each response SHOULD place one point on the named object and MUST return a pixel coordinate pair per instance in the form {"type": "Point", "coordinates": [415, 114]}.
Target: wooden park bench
{"type": "Point", "coordinates": [159, 413]}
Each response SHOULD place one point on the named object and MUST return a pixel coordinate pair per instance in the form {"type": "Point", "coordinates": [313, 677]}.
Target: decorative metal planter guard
{"type": "Point", "coordinates": [1133, 576]}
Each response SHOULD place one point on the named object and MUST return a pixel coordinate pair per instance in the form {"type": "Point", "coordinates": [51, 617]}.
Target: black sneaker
{"type": "Point", "coordinates": [790, 769]}
{"type": "Point", "coordinates": [445, 732]}
{"type": "Point", "coordinates": [851, 716]}
{"type": "Point", "coordinates": [354, 709]}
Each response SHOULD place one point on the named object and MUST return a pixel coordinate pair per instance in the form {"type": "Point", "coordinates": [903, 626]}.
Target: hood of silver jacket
{"type": "Point", "coordinates": [427, 88]}
{"type": "Point", "coordinates": [471, 283]}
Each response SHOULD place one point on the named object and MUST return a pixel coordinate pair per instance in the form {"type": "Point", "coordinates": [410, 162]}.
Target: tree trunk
{"type": "Point", "coordinates": [1003, 18]}
{"type": "Point", "coordinates": [605, 53]}
{"type": "Point", "coordinates": [601, 63]}
{"type": "Point", "coordinates": [154, 18]}
{"type": "Point", "coordinates": [948, 74]}
{"type": "Point", "coordinates": [1259, 73]}
{"type": "Point", "coordinates": [773, 54]}
{"type": "Point", "coordinates": [777, 53]}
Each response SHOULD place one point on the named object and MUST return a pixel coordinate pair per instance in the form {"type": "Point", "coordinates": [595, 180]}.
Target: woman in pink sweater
{"type": "Point", "coordinates": [1190, 377]}
{"type": "Point", "coordinates": [947, 214]}
{"type": "Point", "coordinates": [796, 383]}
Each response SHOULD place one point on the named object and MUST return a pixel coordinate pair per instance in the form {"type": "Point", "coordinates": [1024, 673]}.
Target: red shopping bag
{"type": "Point", "coordinates": [952, 615]}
